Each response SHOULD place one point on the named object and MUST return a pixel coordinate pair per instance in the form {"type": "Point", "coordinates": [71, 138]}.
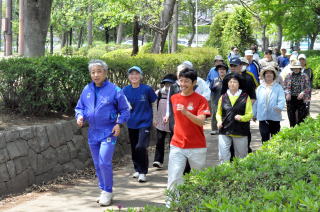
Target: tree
{"type": "Point", "coordinates": [238, 31]}
{"type": "Point", "coordinates": [8, 31]}
{"type": "Point", "coordinates": [164, 23]}
{"type": "Point", "coordinates": [37, 21]}
{"type": "Point", "coordinates": [216, 29]}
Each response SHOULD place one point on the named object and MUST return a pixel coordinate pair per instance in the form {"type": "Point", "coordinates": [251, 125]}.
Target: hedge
{"type": "Point", "coordinates": [284, 175]}
{"type": "Point", "coordinates": [314, 64]}
{"type": "Point", "coordinates": [39, 86]}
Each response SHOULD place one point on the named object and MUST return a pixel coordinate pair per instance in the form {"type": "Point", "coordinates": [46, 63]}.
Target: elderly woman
{"type": "Point", "coordinates": [104, 106]}
{"type": "Point", "coordinates": [298, 91]}
{"type": "Point", "coordinates": [233, 115]}
{"type": "Point", "coordinates": [269, 104]}
{"type": "Point", "coordinates": [141, 97]}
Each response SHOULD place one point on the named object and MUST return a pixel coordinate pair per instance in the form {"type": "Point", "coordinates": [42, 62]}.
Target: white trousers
{"type": "Point", "coordinates": [240, 145]}
{"type": "Point", "coordinates": [177, 163]}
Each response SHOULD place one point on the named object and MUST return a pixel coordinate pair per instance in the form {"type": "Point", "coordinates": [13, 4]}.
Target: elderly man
{"type": "Point", "coordinates": [283, 60]}
{"type": "Point", "coordinates": [104, 106]}
{"type": "Point", "coordinates": [253, 66]}
{"type": "Point", "coordinates": [213, 73]}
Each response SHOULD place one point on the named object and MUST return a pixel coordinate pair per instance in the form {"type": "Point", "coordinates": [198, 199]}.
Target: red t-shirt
{"type": "Point", "coordinates": [186, 133]}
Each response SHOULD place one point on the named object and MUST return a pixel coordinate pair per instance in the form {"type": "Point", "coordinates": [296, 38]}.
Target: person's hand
{"type": "Point", "coordinates": [165, 119]}
{"type": "Point", "coordinates": [278, 110]}
{"type": "Point", "coordinates": [116, 130]}
{"type": "Point", "coordinates": [80, 121]}
{"type": "Point", "coordinates": [300, 96]}
{"type": "Point", "coordinates": [288, 97]}
{"type": "Point", "coordinates": [237, 117]}
{"type": "Point", "coordinates": [219, 124]}
{"type": "Point", "coordinates": [181, 108]}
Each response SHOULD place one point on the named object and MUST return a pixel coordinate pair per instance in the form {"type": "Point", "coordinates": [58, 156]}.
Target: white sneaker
{"type": "Point", "coordinates": [157, 164]}
{"type": "Point", "coordinates": [98, 199]}
{"type": "Point", "coordinates": [142, 178]}
{"type": "Point", "coordinates": [135, 175]}
{"type": "Point", "coordinates": [105, 198]}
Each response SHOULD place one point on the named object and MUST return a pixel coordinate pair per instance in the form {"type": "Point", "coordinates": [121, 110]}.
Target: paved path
{"type": "Point", "coordinates": [128, 192]}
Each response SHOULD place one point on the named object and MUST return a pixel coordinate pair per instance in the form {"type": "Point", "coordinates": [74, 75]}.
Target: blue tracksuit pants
{"type": "Point", "coordinates": [102, 153]}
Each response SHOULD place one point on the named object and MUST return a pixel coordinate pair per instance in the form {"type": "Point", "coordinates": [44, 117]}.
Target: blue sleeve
{"type": "Point", "coordinates": [152, 95]}
{"type": "Point", "coordinates": [208, 80]}
{"type": "Point", "coordinates": [255, 104]}
{"type": "Point", "coordinates": [123, 107]}
{"type": "Point", "coordinates": [281, 99]}
{"type": "Point", "coordinates": [80, 107]}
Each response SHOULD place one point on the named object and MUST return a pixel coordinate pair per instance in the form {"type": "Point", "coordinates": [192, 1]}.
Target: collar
{"type": "Point", "coordinates": [236, 94]}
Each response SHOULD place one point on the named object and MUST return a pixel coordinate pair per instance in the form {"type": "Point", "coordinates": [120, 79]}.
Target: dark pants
{"type": "Point", "coordinates": [161, 138]}
{"type": "Point", "coordinates": [297, 111]}
{"type": "Point", "coordinates": [139, 139]}
{"type": "Point", "coordinates": [268, 128]}
{"type": "Point", "coordinates": [213, 118]}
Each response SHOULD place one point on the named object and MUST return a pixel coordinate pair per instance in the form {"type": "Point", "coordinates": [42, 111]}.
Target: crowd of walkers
{"type": "Point", "coordinates": [236, 91]}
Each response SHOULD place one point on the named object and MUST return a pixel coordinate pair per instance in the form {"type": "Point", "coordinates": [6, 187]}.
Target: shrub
{"type": "Point", "coordinates": [284, 175]}
{"type": "Point", "coordinates": [42, 85]}
{"type": "Point", "coordinates": [314, 64]}
{"type": "Point", "coordinates": [311, 53]}
{"type": "Point", "coordinates": [146, 48]}
{"type": "Point", "coordinates": [96, 52]}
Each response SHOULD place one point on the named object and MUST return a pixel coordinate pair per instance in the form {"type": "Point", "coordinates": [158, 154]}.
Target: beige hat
{"type": "Point", "coordinates": [218, 57]}
{"type": "Point", "coordinates": [296, 64]}
{"type": "Point", "coordinates": [269, 68]}
{"type": "Point", "coordinates": [302, 56]}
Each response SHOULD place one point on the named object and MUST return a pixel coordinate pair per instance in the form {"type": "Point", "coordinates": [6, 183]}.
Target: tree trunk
{"type": "Point", "coordinates": [193, 22]}
{"type": "Point", "coordinates": [160, 37]}
{"type": "Point", "coordinates": [175, 27]}
{"type": "Point", "coordinates": [107, 34]}
{"type": "Point", "coordinates": [8, 33]}
{"type": "Point", "coordinates": [0, 23]}
{"type": "Point", "coordinates": [80, 37]}
{"type": "Point", "coordinates": [264, 38]}
{"type": "Point", "coordinates": [51, 39]}
{"type": "Point", "coordinates": [90, 25]}
{"type": "Point", "coordinates": [279, 37]}
{"type": "Point", "coordinates": [70, 37]}
{"type": "Point", "coordinates": [64, 39]}
{"type": "Point", "coordinates": [37, 19]}
{"type": "Point", "coordinates": [119, 33]}
{"type": "Point", "coordinates": [135, 36]}
{"type": "Point", "coordinates": [21, 27]}
{"type": "Point", "coordinates": [313, 38]}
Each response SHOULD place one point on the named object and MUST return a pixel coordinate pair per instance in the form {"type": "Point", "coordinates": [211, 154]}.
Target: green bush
{"type": "Point", "coordinates": [284, 175]}
{"type": "Point", "coordinates": [146, 48]}
{"type": "Point", "coordinates": [311, 53]}
{"type": "Point", "coordinates": [42, 85]}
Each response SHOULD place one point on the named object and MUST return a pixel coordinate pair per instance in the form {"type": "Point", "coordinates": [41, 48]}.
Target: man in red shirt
{"type": "Point", "coordinates": [188, 142]}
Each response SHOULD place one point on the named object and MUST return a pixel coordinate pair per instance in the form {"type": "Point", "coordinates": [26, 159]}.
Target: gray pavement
{"type": "Point", "coordinates": [128, 193]}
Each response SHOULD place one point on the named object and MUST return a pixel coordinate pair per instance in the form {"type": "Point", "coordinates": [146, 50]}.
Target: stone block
{"type": "Point", "coordinates": [78, 141]}
{"type": "Point", "coordinates": [26, 133]}
{"type": "Point", "coordinates": [11, 169]}
{"type": "Point", "coordinates": [72, 149]}
{"type": "Point", "coordinates": [68, 131]}
{"type": "Point", "coordinates": [17, 148]}
{"type": "Point", "coordinates": [84, 132]}
{"type": "Point", "coordinates": [21, 164]}
{"type": "Point", "coordinates": [57, 170]}
{"type": "Point", "coordinates": [78, 164]}
{"type": "Point", "coordinates": [68, 167]}
{"type": "Point", "coordinates": [63, 154]}
{"type": "Point", "coordinates": [3, 189]}
{"type": "Point", "coordinates": [4, 156]}
{"type": "Point", "coordinates": [51, 157]}
{"type": "Point", "coordinates": [60, 131]}
{"type": "Point", "coordinates": [2, 140]}
{"type": "Point", "coordinates": [4, 174]}
{"type": "Point", "coordinates": [12, 135]}
{"type": "Point", "coordinates": [83, 155]}
{"type": "Point", "coordinates": [33, 159]}
{"type": "Point", "coordinates": [31, 176]}
{"type": "Point", "coordinates": [34, 145]}
{"type": "Point", "coordinates": [54, 136]}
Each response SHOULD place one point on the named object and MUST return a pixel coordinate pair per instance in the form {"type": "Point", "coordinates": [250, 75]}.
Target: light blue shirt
{"type": "Point", "coordinates": [266, 104]}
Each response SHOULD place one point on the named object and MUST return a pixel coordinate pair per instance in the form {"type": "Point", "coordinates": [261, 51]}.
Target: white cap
{"type": "Point", "coordinates": [302, 56]}
{"type": "Point", "coordinates": [244, 60]}
{"type": "Point", "coordinates": [188, 64]}
{"type": "Point", "coordinates": [248, 53]}
{"type": "Point", "coordinates": [218, 57]}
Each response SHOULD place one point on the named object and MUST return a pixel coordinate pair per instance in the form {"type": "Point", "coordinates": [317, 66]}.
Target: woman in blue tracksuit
{"type": "Point", "coordinates": [269, 104]}
{"type": "Point", "coordinates": [104, 106]}
{"type": "Point", "coordinates": [140, 97]}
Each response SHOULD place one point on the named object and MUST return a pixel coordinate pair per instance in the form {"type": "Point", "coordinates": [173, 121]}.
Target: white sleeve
{"type": "Point", "coordinates": [203, 89]}
{"type": "Point", "coordinates": [168, 104]}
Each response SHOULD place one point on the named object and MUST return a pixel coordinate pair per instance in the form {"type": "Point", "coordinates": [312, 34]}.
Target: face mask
{"type": "Point", "coordinates": [243, 68]}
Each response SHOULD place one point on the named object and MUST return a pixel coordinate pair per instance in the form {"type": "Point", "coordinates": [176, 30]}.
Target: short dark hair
{"type": "Point", "coordinates": [188, 73]}
{"type": "Point", "coordinates": [268, 51]}
{"type": "Point", "coordinates": [238, 77]}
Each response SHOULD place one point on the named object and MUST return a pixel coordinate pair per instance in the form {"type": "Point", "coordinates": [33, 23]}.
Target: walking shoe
{"type": "Point", "coordinates": [105, 198]}
{"type": "Point", "coordinates": [157, 164]}
{"type": "Point", "coordinates": [213, 132]}
{"type": "Point", "coordinates": [135, 175]}
{"type": "Point", "coordinates": [98, 199]}
{"type": "Point", "coordinates": [142, 178]}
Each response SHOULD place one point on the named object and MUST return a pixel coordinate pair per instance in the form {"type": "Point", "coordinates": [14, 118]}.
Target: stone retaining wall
{"type": "Point", "coordinates": [37, 154]}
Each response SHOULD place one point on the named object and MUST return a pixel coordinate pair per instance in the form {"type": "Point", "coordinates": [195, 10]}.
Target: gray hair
{"type": "Point", "coordinates": [95, 62]}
